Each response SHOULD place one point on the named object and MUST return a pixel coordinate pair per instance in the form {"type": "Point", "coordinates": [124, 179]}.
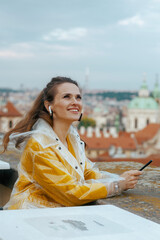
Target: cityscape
{"type": "Point", "coordinates": [115, 125]}
{"type": "Point", "coordinates": [111, 48]}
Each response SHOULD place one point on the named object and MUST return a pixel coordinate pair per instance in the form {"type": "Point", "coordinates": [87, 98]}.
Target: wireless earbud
{"type": "Point", "coordinates": [50, 111]}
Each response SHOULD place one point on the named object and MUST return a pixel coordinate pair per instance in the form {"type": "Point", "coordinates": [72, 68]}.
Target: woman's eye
{"type": "Point", "coordinates": [66, 96]}
{"type": "Point", "coordinates": [69, 96]}
{"type": "Point", "coordinates": [79, 97]}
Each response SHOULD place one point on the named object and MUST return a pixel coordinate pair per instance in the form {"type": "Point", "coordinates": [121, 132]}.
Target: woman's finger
{"type": "Point", "coordinates": [131, 184]}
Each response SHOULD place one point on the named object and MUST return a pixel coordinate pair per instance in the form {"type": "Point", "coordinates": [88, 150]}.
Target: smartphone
{"type": "Point", "coordinates": [145, 165]}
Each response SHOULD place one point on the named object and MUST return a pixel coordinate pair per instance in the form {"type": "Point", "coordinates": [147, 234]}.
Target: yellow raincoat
{"type": "Point", "coordinates": [50, 175]}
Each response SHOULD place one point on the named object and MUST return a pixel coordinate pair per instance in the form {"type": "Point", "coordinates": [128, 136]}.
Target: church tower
{"type": "Point", "coordinates": [156, 91]}
{"type": "Point", "coordinates": [142, 110]}
{"type": "Point", "coordinates": [144, 92]}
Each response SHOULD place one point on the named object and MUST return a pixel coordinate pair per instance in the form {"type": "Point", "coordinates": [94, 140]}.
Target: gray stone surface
{"type": "Point", "coordinates": [144, 200]}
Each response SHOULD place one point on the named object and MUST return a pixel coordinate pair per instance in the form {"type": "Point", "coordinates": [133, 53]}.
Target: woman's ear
{"type": "Point", "coordinates": [46, 104]}
{"type": "Point", "coordinates": [48, 108]}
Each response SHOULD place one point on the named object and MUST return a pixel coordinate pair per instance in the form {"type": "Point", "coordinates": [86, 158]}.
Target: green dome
{"type": "Point", "coordinates": [143, 103]}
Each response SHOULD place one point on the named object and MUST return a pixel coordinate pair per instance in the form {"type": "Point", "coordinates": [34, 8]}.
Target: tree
{"type": "Point", "coordinates": [87, 122]}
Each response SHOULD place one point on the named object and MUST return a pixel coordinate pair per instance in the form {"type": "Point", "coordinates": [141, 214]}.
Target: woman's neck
{"type": "Point", "coordinates": [61, 129]}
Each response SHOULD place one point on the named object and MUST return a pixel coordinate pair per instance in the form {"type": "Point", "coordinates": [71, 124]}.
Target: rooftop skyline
{"type": "Point", "coordinates": [109, 43]}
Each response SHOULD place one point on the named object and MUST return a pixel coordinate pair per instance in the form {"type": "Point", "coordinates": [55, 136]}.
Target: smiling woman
{"type": "Point", "coordinates": [54, 170]}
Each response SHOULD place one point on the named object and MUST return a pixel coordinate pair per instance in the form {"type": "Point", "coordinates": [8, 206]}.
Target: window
{"type": "Point", "coordinates": [108, 122]}
{"type": "Point", "coordinates": [136, 123]}
{"type": "Point", "coordinates": [10, 124]}
{"type": "Point", "coordinates": [147, 122]}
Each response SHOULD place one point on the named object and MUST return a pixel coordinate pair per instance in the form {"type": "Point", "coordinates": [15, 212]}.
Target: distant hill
{"type": "Point", "coordinates": [8, 90]}
{"type": "Point", "coordinates": [120, 96]}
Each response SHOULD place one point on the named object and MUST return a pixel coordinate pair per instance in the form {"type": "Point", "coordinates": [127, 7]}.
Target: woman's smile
{"type": "Point", "coordinates": [74, 110]}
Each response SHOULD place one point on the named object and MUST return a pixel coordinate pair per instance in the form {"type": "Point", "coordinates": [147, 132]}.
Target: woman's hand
{"type": "Point", "coordinates": [130, 179]}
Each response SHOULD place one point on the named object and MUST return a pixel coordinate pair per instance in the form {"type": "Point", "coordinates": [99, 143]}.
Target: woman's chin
{"type": "Point", "coordinates": [75, 119]}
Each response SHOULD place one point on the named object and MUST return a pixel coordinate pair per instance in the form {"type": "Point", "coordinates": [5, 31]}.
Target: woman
{"type": "Point", "coordinates": [53, 170]}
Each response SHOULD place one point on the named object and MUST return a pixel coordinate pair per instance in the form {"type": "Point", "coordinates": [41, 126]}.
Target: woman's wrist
{"type": "Point", "coordinates": [115, 188]}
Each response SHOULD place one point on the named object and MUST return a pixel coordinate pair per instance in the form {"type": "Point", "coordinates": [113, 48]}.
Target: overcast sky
{"type": "Point", "coordinates": [114, 42]}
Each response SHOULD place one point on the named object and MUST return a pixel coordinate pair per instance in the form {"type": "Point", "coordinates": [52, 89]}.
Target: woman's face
{"type": "Point", "coordinates": [67, 104]}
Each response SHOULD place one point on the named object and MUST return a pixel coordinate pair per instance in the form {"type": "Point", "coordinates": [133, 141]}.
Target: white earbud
{"type": "Point", "coordinates": [50, 111]}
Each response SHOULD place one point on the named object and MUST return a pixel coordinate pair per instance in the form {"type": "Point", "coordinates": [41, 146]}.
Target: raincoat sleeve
{"type": "Point", "coordinates": [58, 183]}
{"type": "Point", "coordinates": [113, 182]}
{"type": "Point", "coordinates": [91, 172]}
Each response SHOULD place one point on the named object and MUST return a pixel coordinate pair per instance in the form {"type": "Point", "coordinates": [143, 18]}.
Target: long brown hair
{"type": "Point", "coordinates": [37, 111]}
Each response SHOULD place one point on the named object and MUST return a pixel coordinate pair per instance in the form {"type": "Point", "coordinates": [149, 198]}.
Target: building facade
{"type": "Point", "coordinates": [9, 116]}
{"type": "Point", "coordinates": [143, 110]}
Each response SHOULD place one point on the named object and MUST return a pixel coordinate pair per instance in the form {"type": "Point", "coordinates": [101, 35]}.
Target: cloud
{"type": "Point", "coordinates": [14, 54]}
{"type": "Point", "coordinates": [66, 35]}
{"type": "Point", "coordinates": [51, 49]}
{"type": "Point", "coordinates": [135, 20]}
{"type": "Point", "coordinates": [40, 49]}
{"type": "Point", "coordinates": [17, 51]}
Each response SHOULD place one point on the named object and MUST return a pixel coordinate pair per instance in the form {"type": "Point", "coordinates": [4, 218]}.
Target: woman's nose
{"type": "Point", "coordinates": [74, 100]}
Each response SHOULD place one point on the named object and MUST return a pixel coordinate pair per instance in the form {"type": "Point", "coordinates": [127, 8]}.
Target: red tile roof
{"type": "Point", "coordinates": [9, 110]}
{"type": "Point", "coordinates": [124, 139]}
{"type": "Point", "coordinates": [147, 133]}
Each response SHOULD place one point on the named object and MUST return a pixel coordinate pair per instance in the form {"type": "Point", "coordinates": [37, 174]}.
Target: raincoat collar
{"type": "Point", "coordinates": [42, 127]}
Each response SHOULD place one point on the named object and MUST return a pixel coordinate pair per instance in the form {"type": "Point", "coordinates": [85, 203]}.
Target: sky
{"type": "Point", "coordinates": [103, 44]}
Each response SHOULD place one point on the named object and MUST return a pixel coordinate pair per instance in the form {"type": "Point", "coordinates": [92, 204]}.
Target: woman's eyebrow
{"type": "Point", "coordinates": [68, 93]}
{"type": "Point", "coordinates": [63, 94]}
